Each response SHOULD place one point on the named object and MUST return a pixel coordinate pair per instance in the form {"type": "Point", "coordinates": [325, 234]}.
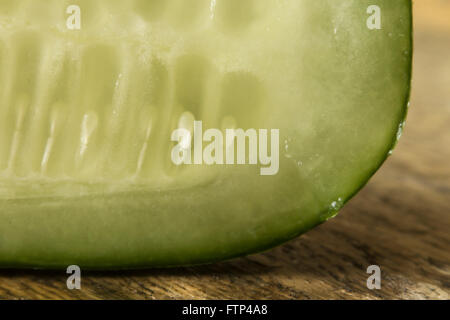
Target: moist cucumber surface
{"type": "Point", "coordinates": [86, 118]}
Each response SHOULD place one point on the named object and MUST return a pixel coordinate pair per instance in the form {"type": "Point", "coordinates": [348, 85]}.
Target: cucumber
{"type": "Point", "coordinates": [93, 93]}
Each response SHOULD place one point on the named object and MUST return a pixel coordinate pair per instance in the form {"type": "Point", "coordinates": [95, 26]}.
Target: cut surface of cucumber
{"type": "Point", "coordinates": [92, 90]}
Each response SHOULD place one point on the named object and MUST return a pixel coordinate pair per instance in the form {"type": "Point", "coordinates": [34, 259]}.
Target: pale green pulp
{"type": "Point", "coordinates": [86, 115]}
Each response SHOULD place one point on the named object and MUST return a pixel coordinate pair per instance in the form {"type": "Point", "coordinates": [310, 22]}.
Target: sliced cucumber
{"type": "Point", "coordinates": [86, 117]}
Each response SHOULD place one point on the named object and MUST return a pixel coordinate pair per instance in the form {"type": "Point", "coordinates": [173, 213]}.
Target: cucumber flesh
{"type": "Point", "coordinates": [86, 118]}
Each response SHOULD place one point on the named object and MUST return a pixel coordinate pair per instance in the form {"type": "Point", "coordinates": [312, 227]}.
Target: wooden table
{"type": "Point", "coordinates": [400, 221]}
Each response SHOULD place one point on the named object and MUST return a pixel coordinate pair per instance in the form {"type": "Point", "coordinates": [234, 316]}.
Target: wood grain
{"type": "Point", "coordinates": [400, 221]}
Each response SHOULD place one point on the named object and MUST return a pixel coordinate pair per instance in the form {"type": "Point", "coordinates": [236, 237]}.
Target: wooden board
{"type": "Point", "coordinates": [400, 221]}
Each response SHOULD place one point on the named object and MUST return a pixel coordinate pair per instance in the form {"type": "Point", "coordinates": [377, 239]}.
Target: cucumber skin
{"type": "Point", "coordinates": [76, 211]}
